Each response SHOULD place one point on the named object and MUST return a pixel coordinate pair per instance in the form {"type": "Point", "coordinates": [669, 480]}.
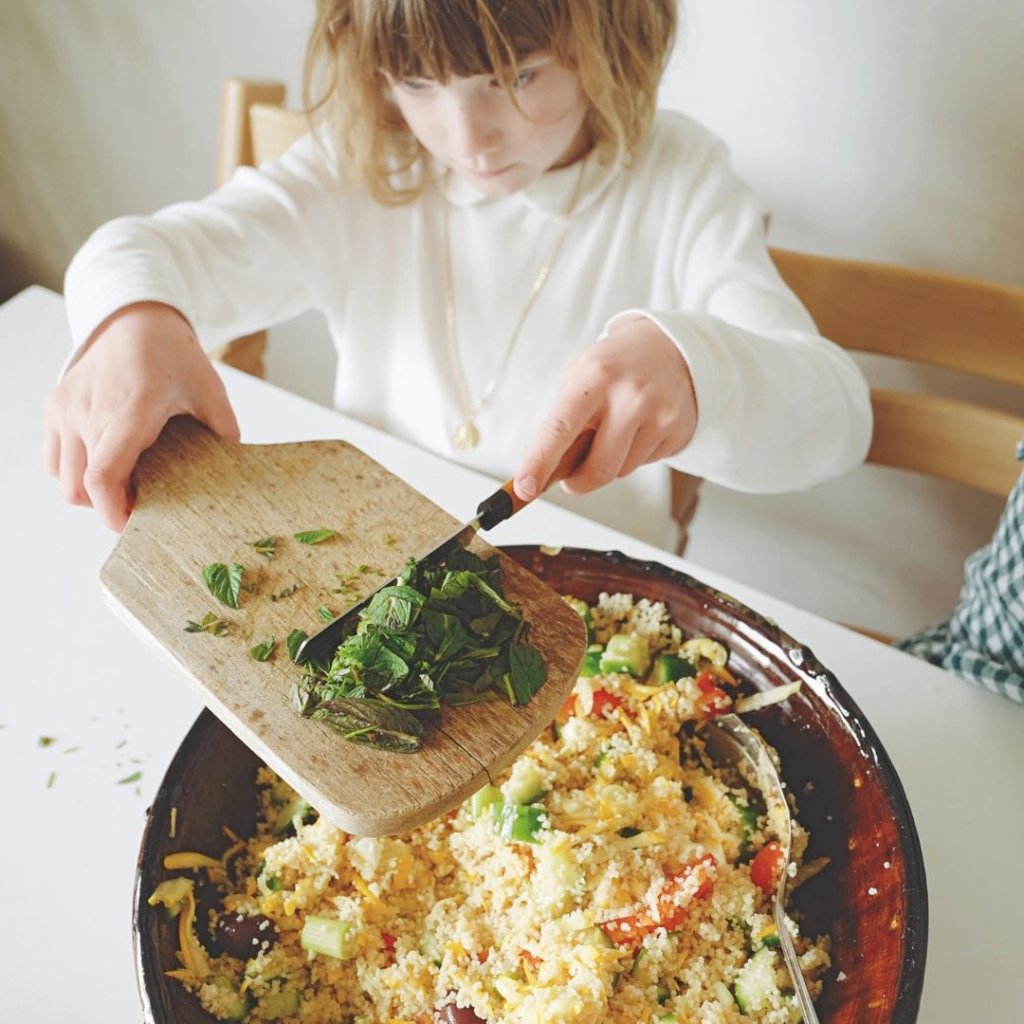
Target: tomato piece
{"type": "Point", "coordinates": [605, 701]}
{"type": "Point", "coordinates": [567, 710]}
{"type": "Point", "coordinates": [673, 912]}
{"type": "Point", "coordinates": [630, 930]}
{"type": "Point", "coordinates": [713, 699]}
{"type": "Point", "coordinates": [766, 866]}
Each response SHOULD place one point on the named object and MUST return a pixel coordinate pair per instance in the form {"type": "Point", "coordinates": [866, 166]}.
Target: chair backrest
{"type": "Point", "coordinates": [255, 126]}
{"type": "Point", "coordinates": [931, 319]}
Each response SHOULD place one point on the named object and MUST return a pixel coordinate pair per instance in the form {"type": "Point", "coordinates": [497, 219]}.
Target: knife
{"type": "Point", "coordinates": [501, 505]}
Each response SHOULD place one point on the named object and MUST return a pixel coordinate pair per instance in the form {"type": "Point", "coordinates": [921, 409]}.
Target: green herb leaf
{"type": "Point", "coordinates": [372, 723]}
{"type": "Point", "coordinates": [45, 741]}
{"type": "Point", "coordinates": [209, 623]}
{"type": "Point", "coordinates": [224, 582]}
{"type": "Point", "coordinates": [313, 536]}
{"type": "Point", "coordinates": [267, 547]}
{"type": "Point", "coordinates": [294, 641]}
{"type": "Point", "coordinates": [442, 634]}
{"type": "Point", "coordinates": [325, 613]}
{"type": "Point", "coordinates": [134, 777]}
{"type": "Point", "coordinates": [394, 608]}
{"type": "Point", "coordinates": [527, 670]}
{"type": "Point", "coordinates": [264, 650]}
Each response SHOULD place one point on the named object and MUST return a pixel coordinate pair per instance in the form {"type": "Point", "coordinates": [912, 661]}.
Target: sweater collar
{"type": "Point", "coordinates": [549, 194]}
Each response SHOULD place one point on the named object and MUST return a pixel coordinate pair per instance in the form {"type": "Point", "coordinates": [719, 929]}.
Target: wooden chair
{"type": "Point", "coordinates": [255, 126]}
{"type": "Point", "coordinates": [923, 318]}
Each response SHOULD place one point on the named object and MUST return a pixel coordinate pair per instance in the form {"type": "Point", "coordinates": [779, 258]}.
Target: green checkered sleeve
{"type": "Point", "coordinates": [983, 640]}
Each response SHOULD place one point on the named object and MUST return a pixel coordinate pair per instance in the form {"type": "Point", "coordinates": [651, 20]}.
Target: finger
{"type": "Point", "coordinates": [108, 475]}
{"type": "Point", "coordinates": [667, 447]}
{"type": "Point", "coordinates": [621, 440]}
{"type": "Point", "coordinates": [51, 450]}
{"type": "Point", "coordinates": [642, 450]}
{"type": "Point", "coordinates": [72, 465]}
{"type": "Point", "coordinates": [560, 429]}
{"type": "Point", "coordinates": [601, 465]}
{"type": "Point", "coordinates": [215, 409]}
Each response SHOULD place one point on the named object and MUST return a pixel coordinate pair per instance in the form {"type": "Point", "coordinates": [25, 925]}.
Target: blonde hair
{"type": "Point", "coordinates": [619, 48]}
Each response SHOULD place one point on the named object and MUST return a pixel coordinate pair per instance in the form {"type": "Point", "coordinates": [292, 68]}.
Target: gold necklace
{"type": "Point", "coordinates": [467, 435]}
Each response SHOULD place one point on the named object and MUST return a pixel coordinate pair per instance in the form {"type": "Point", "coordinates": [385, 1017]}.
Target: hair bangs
{"type": "Point", "coordinates": [442, 39]}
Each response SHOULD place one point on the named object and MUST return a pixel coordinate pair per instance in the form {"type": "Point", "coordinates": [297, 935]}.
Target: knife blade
{"type": "Point", "coordinates": [496, 508]}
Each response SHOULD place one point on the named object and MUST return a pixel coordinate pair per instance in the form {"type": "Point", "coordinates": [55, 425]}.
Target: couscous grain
{"type": "Point", "coordinates": [607, 877]}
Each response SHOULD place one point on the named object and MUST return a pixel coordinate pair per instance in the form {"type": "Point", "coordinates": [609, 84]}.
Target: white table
{"type": "Point", "coordinates": [75, 673]}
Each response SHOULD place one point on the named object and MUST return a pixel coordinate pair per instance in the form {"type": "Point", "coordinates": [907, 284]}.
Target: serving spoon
{"type": "Point", "coordinates": [730, 742]}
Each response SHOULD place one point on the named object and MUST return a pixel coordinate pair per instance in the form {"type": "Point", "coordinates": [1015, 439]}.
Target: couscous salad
{"type": "Point", "coordinates": [612, 875]}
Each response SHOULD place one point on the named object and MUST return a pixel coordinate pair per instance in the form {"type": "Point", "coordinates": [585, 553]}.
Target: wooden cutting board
{"type": "Point", "coordinates": [200, 500]}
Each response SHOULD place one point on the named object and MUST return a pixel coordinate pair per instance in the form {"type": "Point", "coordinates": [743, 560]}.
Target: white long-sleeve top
{"type": "Point", "coordinates": [673, 235]}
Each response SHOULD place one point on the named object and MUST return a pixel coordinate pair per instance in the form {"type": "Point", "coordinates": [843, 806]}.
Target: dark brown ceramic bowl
{"type": "Point", "coordinates": [871, 899]}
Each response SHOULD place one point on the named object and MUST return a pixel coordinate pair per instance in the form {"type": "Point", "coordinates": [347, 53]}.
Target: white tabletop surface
{"type": "Point", "coordinates": [113, 709]}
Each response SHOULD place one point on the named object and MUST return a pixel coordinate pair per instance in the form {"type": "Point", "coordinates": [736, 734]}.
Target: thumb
{"type": "Point", "coordinates": [215, 412]}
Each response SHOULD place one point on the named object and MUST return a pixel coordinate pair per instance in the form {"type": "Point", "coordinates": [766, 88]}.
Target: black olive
{"type": "Point", "coordinates": [207, 900]}
{"type": "Point", "coordinates": [243, 937]}
{"type": "Point", "coordinates": [453, 1014]}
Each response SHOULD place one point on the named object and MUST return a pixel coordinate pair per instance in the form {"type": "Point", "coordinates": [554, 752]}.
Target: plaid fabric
{"type": "Point", "coordinates": [983, 640]}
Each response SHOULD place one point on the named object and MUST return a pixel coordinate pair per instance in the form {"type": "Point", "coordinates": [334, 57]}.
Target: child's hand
{"type": "Point", "coordinates": [634, 388]}
{"type": "Point", "coordinates": [141, 367]}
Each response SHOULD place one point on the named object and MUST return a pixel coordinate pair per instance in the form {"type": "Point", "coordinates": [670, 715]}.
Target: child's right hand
{"type": "Point", "coordinates": [142, 366]}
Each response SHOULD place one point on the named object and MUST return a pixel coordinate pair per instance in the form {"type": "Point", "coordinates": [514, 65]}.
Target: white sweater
{"type": "Point", "coordinates": [674, 235]}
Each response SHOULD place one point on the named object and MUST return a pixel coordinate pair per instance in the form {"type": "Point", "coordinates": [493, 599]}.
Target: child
{"type": "Point", "coordinates": [983, 640]}
{"type": "Point", "coordinates": [508, 246]}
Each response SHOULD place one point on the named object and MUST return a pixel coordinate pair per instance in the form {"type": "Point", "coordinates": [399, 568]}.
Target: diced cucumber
{"type": "Point", "coordinates": [584, 612]}
{"type": "Point", "coordinates": [750, 814]}
{"type": "Point", "coordinates": [596, 936]}
{"type": "Point", "coordinates": [430, 946]}
{"type": "Point", "coordinates": [235, 1004]}
{"type": "Point", "coordinates": [283, 1002]}
{"type": "Point", "coordinates": [626, 652]}
{"type": "Point", "coordinates": [558, 879]}
{"type": "Point", "coordinates": [329, 936]}
{"type": "Point", "coordinates": [483, 800]}
{"type": "Point", "coordinates": [591, 661]}
{"type": "Point", "coordinates": [670, 667]}
{"type": "Point", "coordinates": [520, 824]}
{"type": "Point", "coordinates": [768, 938]}
{"type": "Point", "coordinates": [526, 784]}
{"type": "Point", "coordinates": [294, 810]}
{"type": "Point", "coordinates": [755, 984]}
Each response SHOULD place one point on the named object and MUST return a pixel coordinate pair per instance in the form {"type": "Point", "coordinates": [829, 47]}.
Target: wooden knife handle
{"type": "Point", "coordinates": [504, 502]}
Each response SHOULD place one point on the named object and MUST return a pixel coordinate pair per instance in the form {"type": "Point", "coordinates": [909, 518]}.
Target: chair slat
{"type": "Point", "coordinates": [922, 316]}
{"type": "Point", "coordinates": [946, 438]}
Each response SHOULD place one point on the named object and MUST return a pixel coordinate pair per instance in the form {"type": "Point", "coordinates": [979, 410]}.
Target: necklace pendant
{"type": "Point", "coordinates": [465, 436]}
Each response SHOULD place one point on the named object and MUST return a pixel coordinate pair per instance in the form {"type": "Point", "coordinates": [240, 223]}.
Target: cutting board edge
{"type": "Point", "coordinates": [387, 823]}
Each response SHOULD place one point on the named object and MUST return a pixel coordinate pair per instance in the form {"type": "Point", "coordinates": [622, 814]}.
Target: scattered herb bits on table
{"type": "Point", "coordinates": [612, 875]}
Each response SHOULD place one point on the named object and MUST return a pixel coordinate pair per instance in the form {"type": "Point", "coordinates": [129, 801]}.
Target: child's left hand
{"type": "Point", "coordinates": [633, 387]}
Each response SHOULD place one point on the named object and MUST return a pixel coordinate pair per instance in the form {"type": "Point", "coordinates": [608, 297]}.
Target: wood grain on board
{"type": "Point", "coordinates": [200, 499]}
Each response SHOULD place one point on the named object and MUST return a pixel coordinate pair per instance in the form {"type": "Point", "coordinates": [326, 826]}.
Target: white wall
{"type": "Point", "coordinates": [872, 128]}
